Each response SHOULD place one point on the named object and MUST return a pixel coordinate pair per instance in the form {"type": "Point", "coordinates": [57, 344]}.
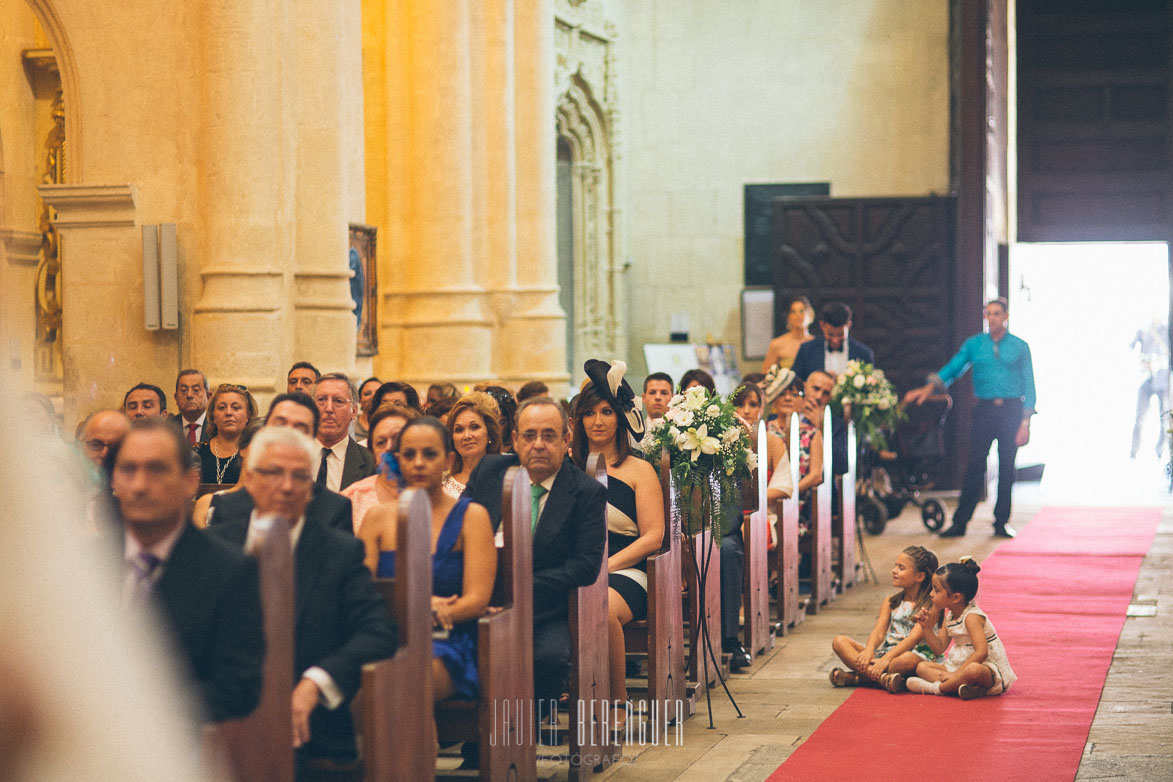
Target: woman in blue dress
{"type": "Point", "coordinates": [605, 420]}
{"type": "Point", "coordinates": [464, 558]}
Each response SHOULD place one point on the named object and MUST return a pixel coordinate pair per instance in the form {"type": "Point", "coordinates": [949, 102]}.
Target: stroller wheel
{"type": "Point", "coordinates": [932, 513]}
{"type": "Point", "coordinates": [872, 513]}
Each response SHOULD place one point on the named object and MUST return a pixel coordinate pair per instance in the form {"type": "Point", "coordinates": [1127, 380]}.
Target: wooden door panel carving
{"type": "Point", "coordinates": [891, 260]}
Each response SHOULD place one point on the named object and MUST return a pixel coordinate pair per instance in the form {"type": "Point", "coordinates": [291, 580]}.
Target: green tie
{"type": "Point", "coordinates": [535, 492]}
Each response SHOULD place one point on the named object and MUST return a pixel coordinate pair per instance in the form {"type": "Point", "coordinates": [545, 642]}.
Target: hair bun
{"type": "Point", "coordinates": [970, 564]}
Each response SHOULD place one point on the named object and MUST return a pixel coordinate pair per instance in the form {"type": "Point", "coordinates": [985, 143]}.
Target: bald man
{"type": "Point", "coordinates": [101, 433]}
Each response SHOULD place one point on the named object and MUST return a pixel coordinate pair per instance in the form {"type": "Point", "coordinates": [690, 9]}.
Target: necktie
{"type": "Point", "coordinates": [145, 563]}
{"type": "Point", "coordinates": [535, 492]}
{"type": "Point", "coordinates": [322, 468]}
{"type": "Point", "coordinates": [191, 430]}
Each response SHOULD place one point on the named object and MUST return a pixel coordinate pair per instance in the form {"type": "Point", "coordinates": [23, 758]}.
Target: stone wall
{"type": "Point", "coordinates": [718, 95]}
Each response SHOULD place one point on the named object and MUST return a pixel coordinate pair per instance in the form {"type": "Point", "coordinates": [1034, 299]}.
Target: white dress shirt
{"type": "Point", "coordinates": [335, 460]}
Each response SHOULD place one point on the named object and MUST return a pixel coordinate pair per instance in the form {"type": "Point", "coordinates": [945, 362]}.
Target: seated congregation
{"type": "Point", "coordinates": [509, 563]}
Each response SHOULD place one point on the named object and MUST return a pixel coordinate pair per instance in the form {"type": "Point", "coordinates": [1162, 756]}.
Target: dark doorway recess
{"type": "Point", "coordinates": [1095, 161]}
{"type": "Point", "coordinates": [892, 261]}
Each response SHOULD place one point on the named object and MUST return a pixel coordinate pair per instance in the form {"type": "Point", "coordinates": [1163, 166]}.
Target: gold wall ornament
{"type": "Point", "coordinates": [49, 357]}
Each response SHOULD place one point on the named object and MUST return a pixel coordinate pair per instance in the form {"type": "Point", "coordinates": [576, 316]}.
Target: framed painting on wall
{"type": "Point", "coordinates": [364, 289]}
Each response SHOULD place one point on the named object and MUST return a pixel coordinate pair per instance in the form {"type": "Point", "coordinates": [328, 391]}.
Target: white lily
{"type": "Point", "coordinates": [698, 441]}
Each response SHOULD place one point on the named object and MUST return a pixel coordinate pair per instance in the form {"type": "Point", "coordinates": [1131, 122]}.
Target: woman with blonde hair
{"type": "Point", "coordinates": [229, 411]}
{"type": "Point", "coordinates": [474, 423]}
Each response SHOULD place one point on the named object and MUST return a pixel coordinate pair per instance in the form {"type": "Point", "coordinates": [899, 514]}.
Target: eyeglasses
{"type": "Point", "coordinates": [277, 475]}
{"type": "Point", "coordinates": [232, 387]}
{"type": "Point", "coordinates": [529, 437]}
{"type": "Point", "coordinates": [96, 446]}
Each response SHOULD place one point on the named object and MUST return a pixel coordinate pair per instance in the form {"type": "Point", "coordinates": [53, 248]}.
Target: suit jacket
{"type": "Point", "coordinates": [340, 624]}
{"type": "Point", "coordinates": [201, 433]}
{"type": "Point", "coordinates": [359, 464]}
{"type": "Point", "coordinates": [209, 595]}
{"type": "Point", "coordinates": [811, 354]}
{"type": "Point", "coordinates": [568, 542]}
{"type": "Point", "coordinates": [328, 508]}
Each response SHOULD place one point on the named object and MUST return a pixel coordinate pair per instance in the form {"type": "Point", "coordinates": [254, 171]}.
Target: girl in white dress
{"type": "Point", "coordinates": [975, 664]}
{"type": "Point", "coordinates": [895, 645]}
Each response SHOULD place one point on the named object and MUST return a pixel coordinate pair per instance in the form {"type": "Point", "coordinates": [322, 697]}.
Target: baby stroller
{"type": "Point", "coordinates": [887, 481]}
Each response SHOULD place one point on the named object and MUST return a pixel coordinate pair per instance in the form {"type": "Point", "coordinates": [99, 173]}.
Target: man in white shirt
{"type": "Point", "coordinates": [344, 461]}
{"type": "Point", "coordinates": [657, 394]}
{"type": "Point", "coordinates": [207, 591]}
{"type": "Point", "coordinates": [834, 346]}
{"type": "Point", "coordinates": [144, 400]}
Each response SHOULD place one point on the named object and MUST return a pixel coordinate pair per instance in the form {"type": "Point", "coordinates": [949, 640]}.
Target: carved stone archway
{"type": "Point", "coordinates": [599, 290]}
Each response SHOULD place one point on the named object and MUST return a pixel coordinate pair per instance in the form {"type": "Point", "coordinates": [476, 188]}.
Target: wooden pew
{"type": "Point", "coordinates": [591, 745]}
{"type": "Point", "coordinates": [845, 521]}
{"type": "Point", "coordinates": [822, 584]}
{"type": "Point", "coordinates": [759, 635]}
{"type": "Point", "coordinates": [397, 692]}
{"type": "Point", "coordinates": [790, 610]}
{"type": "Point", "coordinates": [503, 719]}
{"type": "Point", "coordinates": [705, 558]}
{"type": "Point", "coordinates": [661, 635]}
{"type": "Point", "coordinates": [258, 748]}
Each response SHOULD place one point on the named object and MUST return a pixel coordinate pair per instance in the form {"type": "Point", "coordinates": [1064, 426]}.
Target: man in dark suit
{"type": "Point", "coordinates": [191, 400]}
{"type": "Point", "coordinates": [207, 591]}
{"type": "Point", "coordinates": [344, 461]}
{"type": "Point", "coordinates": [827, 352]}
{"type": "Point", "coordinates": [568, 534]}
{"type": "Point", "coordinates": [340, 620]}
{"type": "Point", "coordinates": [330, 509]}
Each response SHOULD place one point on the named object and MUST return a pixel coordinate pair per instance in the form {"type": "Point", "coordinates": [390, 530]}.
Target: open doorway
{"type": "Point", "coordinates": [1081, 306]}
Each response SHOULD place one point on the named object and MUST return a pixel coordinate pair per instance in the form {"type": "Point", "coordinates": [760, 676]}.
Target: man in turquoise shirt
{"type": "Point", "coordinates": [1004, 384]}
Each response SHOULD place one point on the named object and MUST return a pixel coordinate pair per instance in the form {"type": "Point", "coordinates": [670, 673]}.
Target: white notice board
{"type": "Point", "coordinates": [720, 361]}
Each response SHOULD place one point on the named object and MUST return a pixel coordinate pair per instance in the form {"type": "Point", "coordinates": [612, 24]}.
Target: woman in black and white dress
{"type": "Point", "coordinates": [605, 420]}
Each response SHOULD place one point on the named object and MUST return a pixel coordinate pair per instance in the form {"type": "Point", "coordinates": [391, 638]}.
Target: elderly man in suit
{"type": "Point", "coordinates": [340, 619]}
{"type": "Point", "coordinates": [344, 461]}
{"type": "Point", "coordinates": [207, 590]}
{"type": "Point", "coordinates": [191, 399]}
{"type": "Point", "coordinates": [568, 532]}
{"type": "Point", "coordinates": [831, 350]}
{"type": "Point", "coordinates": [330, 509]}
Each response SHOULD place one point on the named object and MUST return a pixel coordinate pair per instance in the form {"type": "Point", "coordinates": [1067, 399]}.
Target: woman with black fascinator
{"type": "Point", "coordinates": [605, 421]}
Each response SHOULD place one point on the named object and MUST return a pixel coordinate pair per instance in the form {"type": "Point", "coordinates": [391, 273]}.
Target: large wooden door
{"type": "Point", "coordinates": [892, 261]}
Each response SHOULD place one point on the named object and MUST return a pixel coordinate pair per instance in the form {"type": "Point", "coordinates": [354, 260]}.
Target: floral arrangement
{"type": "Point", "coordinates": [874, 405]}
{"type": "Point", "coordinates": [710, 451]}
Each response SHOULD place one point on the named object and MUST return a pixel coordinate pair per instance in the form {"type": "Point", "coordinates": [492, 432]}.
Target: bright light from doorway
{"type": "Point", "coordinates": [1080, 306]}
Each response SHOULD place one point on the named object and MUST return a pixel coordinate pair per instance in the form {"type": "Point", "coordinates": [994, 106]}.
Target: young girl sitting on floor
{"type": "Point", "coordinates": [976, 664]}
{"type": "Point", "coordinates": [895, 636]}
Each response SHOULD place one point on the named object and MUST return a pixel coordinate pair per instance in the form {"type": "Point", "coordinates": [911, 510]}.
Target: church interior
{"type": "Point", "coordinates": [496, 191]}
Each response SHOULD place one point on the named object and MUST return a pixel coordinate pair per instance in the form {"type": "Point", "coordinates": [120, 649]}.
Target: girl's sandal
{"type": "Point", "coordinates": [893, 682]}
{"type": "Point", "coordinates": [842, 678]}
{"type": "Point", "coordinates": [968, 692]}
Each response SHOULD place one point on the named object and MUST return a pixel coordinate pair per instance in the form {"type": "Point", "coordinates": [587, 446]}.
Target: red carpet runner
{"type": "Point", "coordinates": [1057, 594]}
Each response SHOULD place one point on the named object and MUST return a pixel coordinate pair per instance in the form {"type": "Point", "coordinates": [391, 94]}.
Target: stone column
{"type": "Point", "coordinates": [436, 325]}
{"type": "Point", "coordinates": [101, 252]}
{"type": "Point", "coordinates": [329, 136]}
{"type": "Point", "coordinates": [495, 158]}
{"type": "Point", "coordinates": [532, 335]}
{"type": "Point", "coordinates": [241, 329]}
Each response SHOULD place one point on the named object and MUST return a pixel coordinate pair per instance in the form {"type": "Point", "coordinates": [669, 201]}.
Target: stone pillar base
{"type": "Point", "coordinates": [436, 336]}
{"type": "Point", "coordinates": [324, 325]}
{"type": "Point", "coordinates": [531, 340]}
{"type": "Point", "coordinates": [240, 329]}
